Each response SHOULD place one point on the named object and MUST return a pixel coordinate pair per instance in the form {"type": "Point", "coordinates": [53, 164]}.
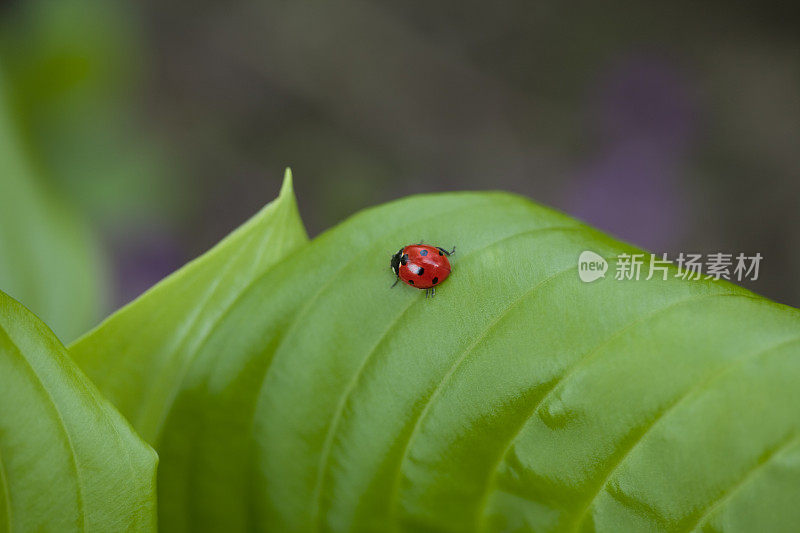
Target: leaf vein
{"type": "Point", "coordinates": [394, 496]}
{"type": "Point", "coordinates": [700, 385]}
{"type": "Point", "coordinates": [60, 419]}
{"type": "Point", "coordinates": [570, 371]}
{"type": "Point", "coordinates": [726, 495]}
{"type": "Point", "coordinates": [296, 320]}
{"type": "Point", "coordinates": [332, 430]}
{"type": "Point", "coordinates": [178, 379]}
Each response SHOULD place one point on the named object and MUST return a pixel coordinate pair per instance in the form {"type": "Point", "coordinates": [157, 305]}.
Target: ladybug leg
{"type": "Point", "coordinates": [395, 282]}
{"type": "Point", "coordinates": [445, 252]}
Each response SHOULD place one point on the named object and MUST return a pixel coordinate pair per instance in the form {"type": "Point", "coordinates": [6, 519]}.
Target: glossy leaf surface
{"type": "Point", "coordinates": [518, 399]}
{"type": "Point", "coordinates": [68, 460]}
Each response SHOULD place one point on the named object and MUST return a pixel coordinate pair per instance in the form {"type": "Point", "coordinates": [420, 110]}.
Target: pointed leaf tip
{"type": "Point", "coordinates": [288, 187]}
{"type": "Point", "coordinates": [176, 312]}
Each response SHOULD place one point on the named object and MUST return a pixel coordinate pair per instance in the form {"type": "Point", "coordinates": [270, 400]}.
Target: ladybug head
{"type": "Point", "coordinates": [395, 263]}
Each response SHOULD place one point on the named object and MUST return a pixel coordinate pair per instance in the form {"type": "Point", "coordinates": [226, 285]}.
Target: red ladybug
{"type": "Point", "coordinates": [422, 266]}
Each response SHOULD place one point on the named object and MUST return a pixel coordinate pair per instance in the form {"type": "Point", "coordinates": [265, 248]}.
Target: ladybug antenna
{"type": "Point", "coordinates": [395, 283]}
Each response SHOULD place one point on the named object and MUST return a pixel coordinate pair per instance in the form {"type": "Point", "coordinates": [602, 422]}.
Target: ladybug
{"type": "Point", "coordinates": [422, 266]}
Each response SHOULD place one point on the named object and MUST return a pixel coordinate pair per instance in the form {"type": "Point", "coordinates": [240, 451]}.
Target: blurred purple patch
{"type": "Point", "coordinates": [141, 259]}
{"type": "Point", "coordinates": [642, 126]}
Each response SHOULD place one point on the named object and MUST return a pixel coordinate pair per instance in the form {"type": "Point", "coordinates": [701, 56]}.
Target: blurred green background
{"type": "Point", "coordinates": [134, 135]}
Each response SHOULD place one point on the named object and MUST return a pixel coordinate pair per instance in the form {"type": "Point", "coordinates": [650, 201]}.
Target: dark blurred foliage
{"type": "Point", "coordinates": [673, 125]}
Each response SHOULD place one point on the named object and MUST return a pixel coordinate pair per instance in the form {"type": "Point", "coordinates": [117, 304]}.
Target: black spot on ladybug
{"type": "Point", "coordinates": [421, 271]}
{"type": "Point", "coordinates": [423, 252]}
{"type": "Point", "coordinates": [435, 281]}
{"type": "Point", "coordinates": [411, 281]}
{"type": "Point", "coordinates": [404, 259]}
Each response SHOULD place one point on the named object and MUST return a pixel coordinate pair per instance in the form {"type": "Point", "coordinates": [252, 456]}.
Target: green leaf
{"type": "Point", "coordinates": [518, 399]}
{"type": "Point", "coordinates": [68, 460]}
{"type": "Point", "coordinates": [155, 338]}
{"type": "Point", "coordinates": [48, 258]}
